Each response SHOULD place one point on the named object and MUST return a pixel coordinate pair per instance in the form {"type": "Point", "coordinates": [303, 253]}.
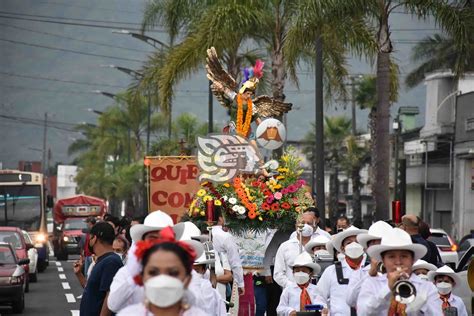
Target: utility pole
{"type": "Point", "coordinates": [148, 124]}
{"type": "Point", "coordinates": [319, 122]}
{"type": "Point", "coordinates": [353, 104]}
{"type": "Point", "coordinates": [210, 129]}
{"type": "Point", "coordinates": [45, 131]}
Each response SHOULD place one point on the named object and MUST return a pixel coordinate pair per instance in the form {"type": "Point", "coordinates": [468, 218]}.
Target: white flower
{"type": "Point", "coordinates": [236, 208]}
{"type": "Point", "coordinates": [241, 210]}
{"type": "Point", "coordinates": [225, 198]}
{"type": "Point", "coordinates": [232, 200]}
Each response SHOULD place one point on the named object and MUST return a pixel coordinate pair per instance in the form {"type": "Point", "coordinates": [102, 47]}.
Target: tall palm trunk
{"type": "Point", "coordinates": [381, 160]}
{"type": "Point", "coordinates": [334, 194]}
{"type": "Point", "coordinates": [356, 203]}
{"type": "Point", "coordinates": [278, 63]}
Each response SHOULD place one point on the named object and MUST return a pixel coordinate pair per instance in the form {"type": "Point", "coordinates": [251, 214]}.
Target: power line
{"type": "Point", "coordinates": [29, 121]}
{"type": "Point", "coordinates": [69, 50]}
{"type": "Point", "coordinates": [74, 39]}
{"type": "Point", "coordinates": [60, 80]}
{"type": "Point", "coordinates": [88, 8]}
{"type": "Point", "coordinates": [46, 90]}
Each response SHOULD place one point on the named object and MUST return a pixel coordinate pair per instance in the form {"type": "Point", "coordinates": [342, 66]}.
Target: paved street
{"type": "Point", "coordinates": [55, 293]}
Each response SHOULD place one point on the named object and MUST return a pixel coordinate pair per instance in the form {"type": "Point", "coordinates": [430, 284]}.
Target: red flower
{"type": "Point", "coordinates": [267, 192]}
{"type": "Point", "coordinates": [255, 183]}
{"type": "Point", "coordinates": [266, 206]}
{"type": "Point", "coordinates": [252, 214]}
{"type": "Point", "coordinates": [275, 206]}
{"type": "Point", "coordinates": [286, 205]}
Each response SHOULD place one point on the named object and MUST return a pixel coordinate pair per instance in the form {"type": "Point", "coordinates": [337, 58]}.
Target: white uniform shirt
{"type": "Point", "coordinates": [335, 293]}
{"type": "Point", "coordinates": [355, 282]}
{"type": "Point", "coordinates": [316, 233]}
{"type": "Point", "coordinates": [290, 299]}
{"type": "Point", "coordinates": [374, 297]}
{"type": "Point", "coordinates": [210, 300]}
{"type": "Point", "coordinates": [457, 302]}
{"type": "Point", "coordinates": [141, 310]}
{"type": "Point", "coordinates": [284, 259]}
{"type": "Point", "coordinates": [223, 242]}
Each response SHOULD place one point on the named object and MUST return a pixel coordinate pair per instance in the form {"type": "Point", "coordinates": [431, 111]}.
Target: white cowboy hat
{"type": "Point", "coordinates": [330, 247]}
{"type": "Point", "coordinates": [445, 270]}
{"type": "Point", "coordinates": [154, 221]}
{"type": "Point", "coordinates": [319, 240]}
{"type": "Point", "coordinates": [189, 233]}
{"type": "Point", "coordinates": [396, 239]}
{"type": "Point", "coordinates": [350, 231]}
{"type": "Point", "coordinates": [305, 260]}
{"type": "Point", "coordinates": [376, 231]}
{"type": "Point", "coordinates": [203, 260]}
{"type": "Point", "coordinates": [422, 264]}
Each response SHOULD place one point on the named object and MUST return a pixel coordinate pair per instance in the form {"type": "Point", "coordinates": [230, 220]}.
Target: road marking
{"type": "Point", "coordinates": [62, 276]}
{"type": "Point", "coordinates": [70, 298]}
{"type": "Point", "coordinates": [74, 312]}
{"type": "Point", "coordinates": [66, 285]}
{"type": "Point", "coordinates": [60, 269]}
{"type": "Point", "coordinates": [58, 264]}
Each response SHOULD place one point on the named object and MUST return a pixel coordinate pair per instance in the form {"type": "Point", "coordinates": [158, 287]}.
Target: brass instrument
{"type": "Point", "coordinates": [403, 290]}
{"type": "Point", "coordinates": [381, 269]}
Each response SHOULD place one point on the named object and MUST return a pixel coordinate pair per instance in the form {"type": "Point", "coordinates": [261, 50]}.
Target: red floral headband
{"type": "Point", "coordinates": [166, 235]}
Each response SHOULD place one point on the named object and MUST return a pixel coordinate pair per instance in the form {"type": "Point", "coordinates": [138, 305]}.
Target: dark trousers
{"type": "Point", "coordinates": [273, 297]}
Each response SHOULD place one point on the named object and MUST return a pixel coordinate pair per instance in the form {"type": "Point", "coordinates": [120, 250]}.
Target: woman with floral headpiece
{"type": "Point", "coordinates": [165, 276]}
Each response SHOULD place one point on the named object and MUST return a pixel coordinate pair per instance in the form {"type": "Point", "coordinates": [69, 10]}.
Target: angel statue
{"type": "Point", "coordinates": [243, 107]}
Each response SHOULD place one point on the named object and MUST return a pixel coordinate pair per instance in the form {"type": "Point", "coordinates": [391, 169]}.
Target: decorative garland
{"type": "Point", "coordinates": [243, 127]}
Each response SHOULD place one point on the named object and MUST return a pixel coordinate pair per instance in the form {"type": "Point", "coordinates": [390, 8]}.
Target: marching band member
{"type": "Point", "coordinates": [316, 247]}
{"type": "Point", "coordinates": [366, 240]}
{"type": "Point", "coordinates": [445, 279]}
{"type": "Point", "coordinates": [421, 269]}
{"type": "Point", "coordinates": [378, 296]}
{"type": "Point", "coordinates": [286, 254]}
{"type": "Point", "coordinates": [333, 283]}
{"type": "Point", "coordinates": [165, 274]}
{"type": "Point", "coordinates": [297, 295]}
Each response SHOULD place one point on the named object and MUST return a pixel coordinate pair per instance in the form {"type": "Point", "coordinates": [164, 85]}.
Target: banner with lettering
{"type": "Point", "coordinates": [172, 182]}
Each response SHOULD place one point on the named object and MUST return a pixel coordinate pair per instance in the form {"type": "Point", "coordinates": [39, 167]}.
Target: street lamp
{"type": "Point", "coordinates": [147, 39]}
{"type": "Point", "coordinates": [137, 75]}
{"type": "Point", "coordinates": [95, 111]}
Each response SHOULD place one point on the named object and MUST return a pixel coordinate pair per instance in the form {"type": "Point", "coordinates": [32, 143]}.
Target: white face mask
{"type": "Point", "coordinates": [444, 288]}
{"type": "Point", "coordinates": [307, 230]}
{"type": "Point", "coordinates": [301, 277]}
{"type": "Point", "coordinates": [354, 250]}
{"type": "Point", "coordinates": [422, 276]}
{"type": "Point", "coordinates": [163, 290]}
{"type": "Point", "coordinates": [322, 254]}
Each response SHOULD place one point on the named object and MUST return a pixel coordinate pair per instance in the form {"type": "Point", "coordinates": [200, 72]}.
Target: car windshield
{"type": "Point", "coordinates": [27, 237]}
{"type": "Point", "coordinates": [439, 239]}
{"type": "Point", "coordinates": [12, 238]}
{"type": "Point", "coordinates": [20, 206]}
{"type": "Point", "coordinates": [6, 255]}
{"type": "Point", "coordinates": [77, 224]}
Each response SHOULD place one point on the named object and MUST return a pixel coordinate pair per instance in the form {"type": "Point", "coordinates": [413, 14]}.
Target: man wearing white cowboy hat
{"type": "Point", "coordinates": [377, 294]}
{"type": "Point", "coordinates": [421, 269]}
{"type": "Point", "coordinates": [212, 303]}
{"type": "Point", "coordinates": [332, 285]}
{"type": "Point", "coordinates": [366, 240]}
{"type": "Point", "coordinates": [445, 279]}
{"type": "Point", "coordinates": [123, 290]}
{"type": "Point", "coordinates": [297, 295]}
{"type": "Point", "coordinates": [316, 247]}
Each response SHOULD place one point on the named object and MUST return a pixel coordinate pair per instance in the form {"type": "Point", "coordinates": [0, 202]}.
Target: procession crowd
{"type": "Point", "coordinates": [155, 267]}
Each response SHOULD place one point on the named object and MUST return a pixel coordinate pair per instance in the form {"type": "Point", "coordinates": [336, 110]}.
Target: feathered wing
{"type": "Point", "coordinates": [217, 73]}
{"type": "Point", "coordinates": [266, 106]}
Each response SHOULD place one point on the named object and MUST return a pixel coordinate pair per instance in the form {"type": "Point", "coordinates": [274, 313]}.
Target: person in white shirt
{"type": "Point", "coordinates": [366, 240]}
{"type": "Point", "coordinates": [421, 269]}
{"type": "Point", "coordinates": [123, 290]}
{"type": "Point", "coordinates": [286, 254]}
{"type": "Point", "coordinates": [377, 294]}
{"type": "Point", "coordinates": [316, 247]}
{"type": "Point", "coordinates": [297, 295]}
{"type": "Point", "coordinates": [445, 280]}
{"type": "Point", "coordinates": [223, 242]}
{"type": "Point", "coordinates": [311, 217]}
{"type": "Point", "coordinates": [333, 283]}
{"type": "Point", "coordinates": [214, 304]}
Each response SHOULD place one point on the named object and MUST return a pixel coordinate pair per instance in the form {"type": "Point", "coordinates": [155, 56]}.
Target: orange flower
{"type": "Point", "coordinates": [266, 206]}
{"type": "Point", "coordinates": [286, 205]}
{"type": "Point", "coordinates": [251, 207]}
{"type": "Point", "coordinates": [252, 214]}
{"type": "Point", "coordinates": [237, 181]}
{"type": "Point", "coordinates": [275, 206]}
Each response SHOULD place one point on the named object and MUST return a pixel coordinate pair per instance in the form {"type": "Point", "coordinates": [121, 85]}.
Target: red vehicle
{"type": "Point", "coordinates": [14, 237]}
{"type": "Point", "coordinates": [12, 278]}
{"type": "Point", "coordinates": [69, 215]}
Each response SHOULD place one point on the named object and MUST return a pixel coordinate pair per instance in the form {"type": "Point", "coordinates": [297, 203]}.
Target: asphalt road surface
{"type": "Point", "coordinates": [55, 293]}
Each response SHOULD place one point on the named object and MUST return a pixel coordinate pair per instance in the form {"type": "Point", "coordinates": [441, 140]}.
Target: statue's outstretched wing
{"type": "Point", "coordinates": [217, 74]}
{"type": "Point", "coordinates": [266, 106]}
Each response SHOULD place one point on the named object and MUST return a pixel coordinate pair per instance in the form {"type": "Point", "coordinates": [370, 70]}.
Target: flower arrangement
{"type": "Point", "coordinates": [257, 203]}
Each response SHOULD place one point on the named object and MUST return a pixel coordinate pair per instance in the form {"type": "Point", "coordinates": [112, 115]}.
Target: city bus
{"type": "Point", "coordinates": [23, 205]}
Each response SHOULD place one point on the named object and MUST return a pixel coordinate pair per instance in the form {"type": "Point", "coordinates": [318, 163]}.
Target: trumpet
{"type": "Point", "coordinates": [381, 269]}
{"type": "Point", "coordinates": [403, 290]}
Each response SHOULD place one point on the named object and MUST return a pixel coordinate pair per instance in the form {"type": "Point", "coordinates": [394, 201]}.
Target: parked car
{"type": "Point", "coordinates": [12, 278]}
{"type": "Point", "coordinates": [14, 236]}
{"type": "Point", "coordinates": [464, 246]}
{"type": "Point", "coordinates": [33, 256]}
{"type": "Point", "coordinates": [446, 246]}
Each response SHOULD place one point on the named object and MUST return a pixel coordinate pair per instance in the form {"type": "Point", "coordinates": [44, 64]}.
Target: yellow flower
{"type": "Point", "coordinates": [196, 211]}
{"type": "Point", "coordinates": [217, 202]}
{"type": "Point", "coordinates": [277, 187]}
{"type": "Point", "coordinates": [260, 218]}
{"type": "Point", "coordinates": [226, 185]}
{"type": "Point", "coordinates": [207, 198]}
{"type": "Point", "coordinates": [280, 177]}
{"type": "Point", "coordinates": [204, 183]}
{"type": "Point", "coordinates": [201, 192]}
{"type": "Point", "coordinates": [202, 213]}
